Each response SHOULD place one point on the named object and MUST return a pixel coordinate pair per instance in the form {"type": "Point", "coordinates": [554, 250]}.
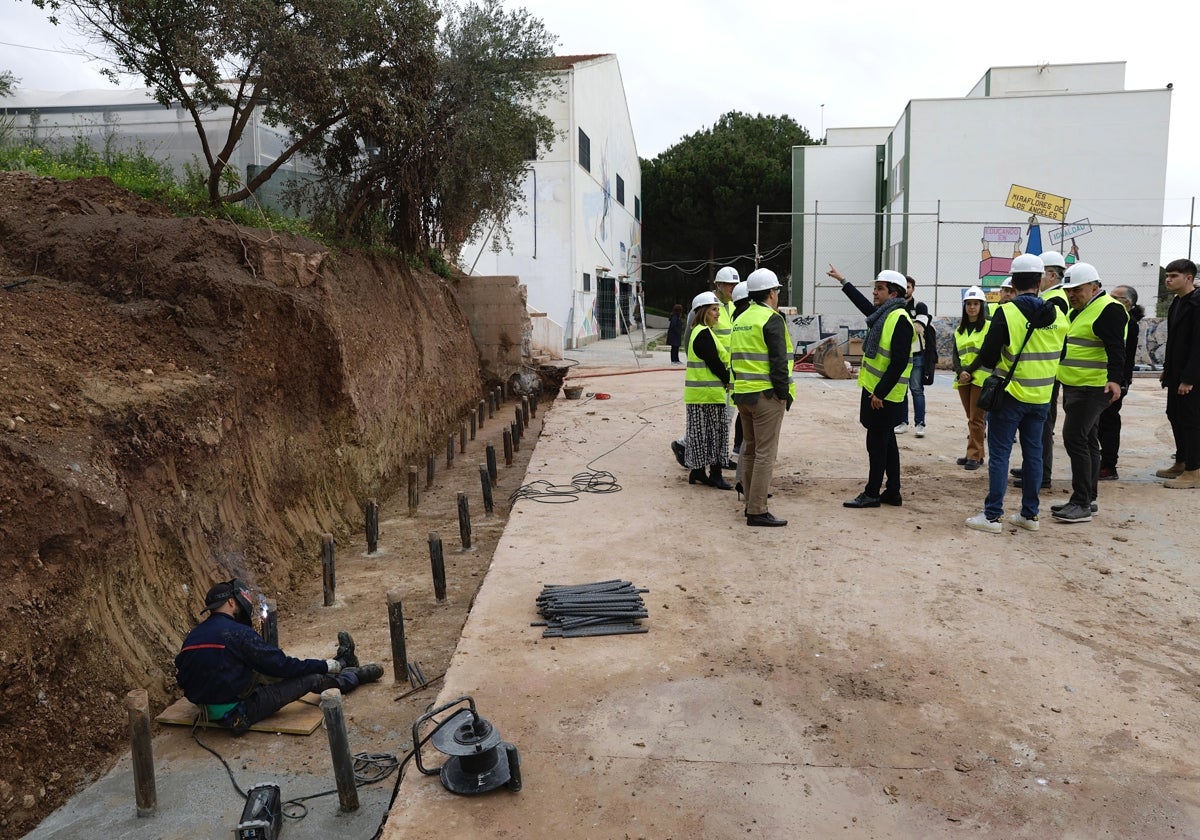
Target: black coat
{"type": "Point", "coordinates": [1181, 363]}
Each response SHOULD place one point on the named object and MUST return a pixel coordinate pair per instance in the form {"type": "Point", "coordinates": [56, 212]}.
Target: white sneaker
{"type": "Point", "coordinates": [919, 429]}
{"type": "Point", "coordinates": [980, 522]}
{"type": "Point", "coordinates": [1021, 522]}
{"type": "Point", "coordinates": [902, 428]}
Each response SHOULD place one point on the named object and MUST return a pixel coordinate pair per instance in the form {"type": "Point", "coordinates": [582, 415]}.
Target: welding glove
{"type": "Point", "coordinates": [334, 666]}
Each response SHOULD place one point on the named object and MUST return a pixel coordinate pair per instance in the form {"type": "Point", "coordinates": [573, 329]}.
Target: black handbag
{"type": "Point", "coordinates": [993, 391]}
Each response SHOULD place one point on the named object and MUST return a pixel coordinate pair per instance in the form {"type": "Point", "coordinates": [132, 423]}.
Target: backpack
{"type": "Point", "coordinates": [931, 355]}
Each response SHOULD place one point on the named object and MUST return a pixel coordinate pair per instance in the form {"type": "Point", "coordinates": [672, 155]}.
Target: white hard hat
{"type": "Point", "coordinates": [728, 274]}
{"type": "Point", "coordinates": [974, 293]}
{"type": "Point", "coordinates": [1079, 275]}
{"type": "Point", "coordinates": [1050, 258]}
{"type": "Point", "coordinates": [704, 299]}
{"type": "Point", "coordinates": [1007, 284]}
{"type": "Point", "coordinates": [893, 278]}
{"type": "Point", "coordinates": [740, 292]}
{"type": "Point", "coordinates": [1027, 264]}
{"type": "Point", "coordinates": [760, 280]}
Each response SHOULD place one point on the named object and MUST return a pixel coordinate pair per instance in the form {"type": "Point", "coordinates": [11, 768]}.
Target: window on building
{"type": "Point", "coordinates": [530, 143]}
{"type": "Point", "coordinates": [587, 282]}
{"type": "Point", "coordinates": [637, 208]}
{"type": "Point", "coordinates": [585, 151]}
{"type": "Point", "coordinates": [620, 191]}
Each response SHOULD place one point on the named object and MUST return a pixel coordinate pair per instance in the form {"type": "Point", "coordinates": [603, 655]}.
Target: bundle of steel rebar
{"type": "Point", "coordinates": [605, 608]}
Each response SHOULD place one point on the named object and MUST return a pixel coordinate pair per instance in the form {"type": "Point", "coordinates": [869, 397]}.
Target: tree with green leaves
{"type": "Point", "coordinates": [306, 65]}
{"type": "Point", "coordinates": [8, 83]}
{"type": "Point", "coordinates": [455, 167]}
{"type": "Point", "coordinates": [699, 199]}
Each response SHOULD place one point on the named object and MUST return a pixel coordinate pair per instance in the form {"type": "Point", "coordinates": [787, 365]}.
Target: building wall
{"type": "Point", "coordinates": [573, 223]}
{"type": "Point", "coordinates": [1052, 78]}
{"type": "Point", "coordinates": [950, 164]}
{"type": "Point", "coordinates": [1105, 152]}
{"type": "Point", "coordinates": [848, 179]}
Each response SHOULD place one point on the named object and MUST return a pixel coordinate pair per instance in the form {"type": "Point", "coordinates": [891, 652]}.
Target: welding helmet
{"type": "Point", "coordinates": [235, 589]}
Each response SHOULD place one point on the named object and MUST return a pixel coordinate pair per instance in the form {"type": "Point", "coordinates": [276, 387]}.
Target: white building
{"type": "Point", "coordinates": [947, 194]}
{"type": "Point", "coordinates": [576, 244]}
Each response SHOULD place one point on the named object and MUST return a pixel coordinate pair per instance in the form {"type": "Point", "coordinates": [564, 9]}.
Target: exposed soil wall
{"type": "Point", "coordinates": [181, 400]}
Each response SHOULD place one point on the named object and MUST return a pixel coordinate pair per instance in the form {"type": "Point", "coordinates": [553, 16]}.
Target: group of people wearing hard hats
{"type": "Point", "coordinates": [739, 356]}
{"type": "Point", "coordinates": [1055, 331]}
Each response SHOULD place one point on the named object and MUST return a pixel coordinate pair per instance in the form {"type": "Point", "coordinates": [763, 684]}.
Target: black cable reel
{"type": "Point", "coordinates": [479, 760]}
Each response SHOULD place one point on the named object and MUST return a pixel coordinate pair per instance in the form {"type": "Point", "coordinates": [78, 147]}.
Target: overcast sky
{"type": "Point", "coordinates": [841, 63]}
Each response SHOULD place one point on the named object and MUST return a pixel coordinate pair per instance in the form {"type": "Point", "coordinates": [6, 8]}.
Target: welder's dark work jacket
{"type": "Point", "coordinates": [220, 656]}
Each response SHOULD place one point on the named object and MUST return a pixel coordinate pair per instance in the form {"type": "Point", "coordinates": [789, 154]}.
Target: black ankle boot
{"type": "Point", "coordinates": [716, 480]}
{"type": "Point", "coordinates": [697, 476]}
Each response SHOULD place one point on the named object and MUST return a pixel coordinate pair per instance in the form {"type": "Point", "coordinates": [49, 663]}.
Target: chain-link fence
{"type": "Point", "coordinates": [947, 256]}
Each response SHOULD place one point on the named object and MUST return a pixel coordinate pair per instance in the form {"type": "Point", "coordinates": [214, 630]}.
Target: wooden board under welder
{"type": "Point", "coordinates": [300, 717]}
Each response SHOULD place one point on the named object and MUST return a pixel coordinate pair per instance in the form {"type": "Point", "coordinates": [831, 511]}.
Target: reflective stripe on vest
{"type": "Point", "coordinates": [749, 358]}
{"type": "Point", "coordinates": [1086, 361]}
{"type": "Point", "coordinates": [699, 384]}
{"type": "Point", "coordinates": [968, 345]}
{"type": "Point", "coordinates": [1033, 380]}
{"type": "Point", "coordinates": [723, 331]}
{"type": "Point", "coordinates": [873, 367]}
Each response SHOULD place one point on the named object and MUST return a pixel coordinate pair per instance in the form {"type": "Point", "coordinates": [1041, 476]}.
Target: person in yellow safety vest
{"type": "Point", "coordinates": [724, 283]}
{"type": "Point", "coordinates": [886, 367]}
{"type": "Point", "coordinates": [1030, 331]}
{"type": "Point", "coordinates": [705, 386]}
{"type": "Point", "coordinates": [727, 278]}
{"type": "Point", "coordinates": [763, 390]}
{"type": "Point", "coordinates": [1053, 268]}
{"type": "Point", "coordinates": [968, 338]}
{"type": "Point", "coordinates": [1091, 372]}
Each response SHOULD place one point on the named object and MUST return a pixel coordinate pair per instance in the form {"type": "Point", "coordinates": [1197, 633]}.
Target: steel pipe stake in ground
{"type": "Point", "coordinates": [145, 792]}
{"type": "Point", "coordinates": [339, 748]}
{"type": "Point", "coordinates": [449, 451]}
{"type": "Point", "coordinates": [519, 419]}
{"type": "Point", "coordinates": [499, 396]}
{"type": "Point", "coordinates": [270, 624]}
{"type": "Point", "coordinates": [491, 464]}
{"type": "Point", "coordinates": [414, 491]}
{"type": "Point", "coordinates": [372, 526]}
{"type": "Point", "coordinates": [429, 472]}
{"type": "Point", "coordinates": [485, 483]}
{"type": "Point", "coordinates": [508, 447]}
{"type": "Point", "coordinates": [464, 521]}
{"type": "Point", "coordinates": [491, 401]}
{"type": "Point", "coordinates": [438, 564]}
{"type": "Point", "coordinates": [479, 412]}
{"type": "Point", "coordinates": [516, 437]}
{"type": "Point", "coordinates": [472, 418]}
{"type": "Point", "coordinates": [396, 626]}
{"type": "Point", "coordinates": [327, 576]}
{"type": "Point", "coordinates": [533, 401]}
{"type": "Point", "coordinates": [524, 411]}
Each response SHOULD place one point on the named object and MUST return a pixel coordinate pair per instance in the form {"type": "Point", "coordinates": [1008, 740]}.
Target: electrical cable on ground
{"type": "Point", "coordinates": [590, 481]}
{"type": "Point", "coordinates": [369, 768]}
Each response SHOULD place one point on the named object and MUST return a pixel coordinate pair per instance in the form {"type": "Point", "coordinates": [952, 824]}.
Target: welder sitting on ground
{"type": "Point", "coordinates": [238, 679]}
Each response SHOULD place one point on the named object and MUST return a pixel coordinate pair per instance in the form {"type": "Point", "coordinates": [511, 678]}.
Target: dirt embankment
{"type": "Point", "coordinates": [180, 400]}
